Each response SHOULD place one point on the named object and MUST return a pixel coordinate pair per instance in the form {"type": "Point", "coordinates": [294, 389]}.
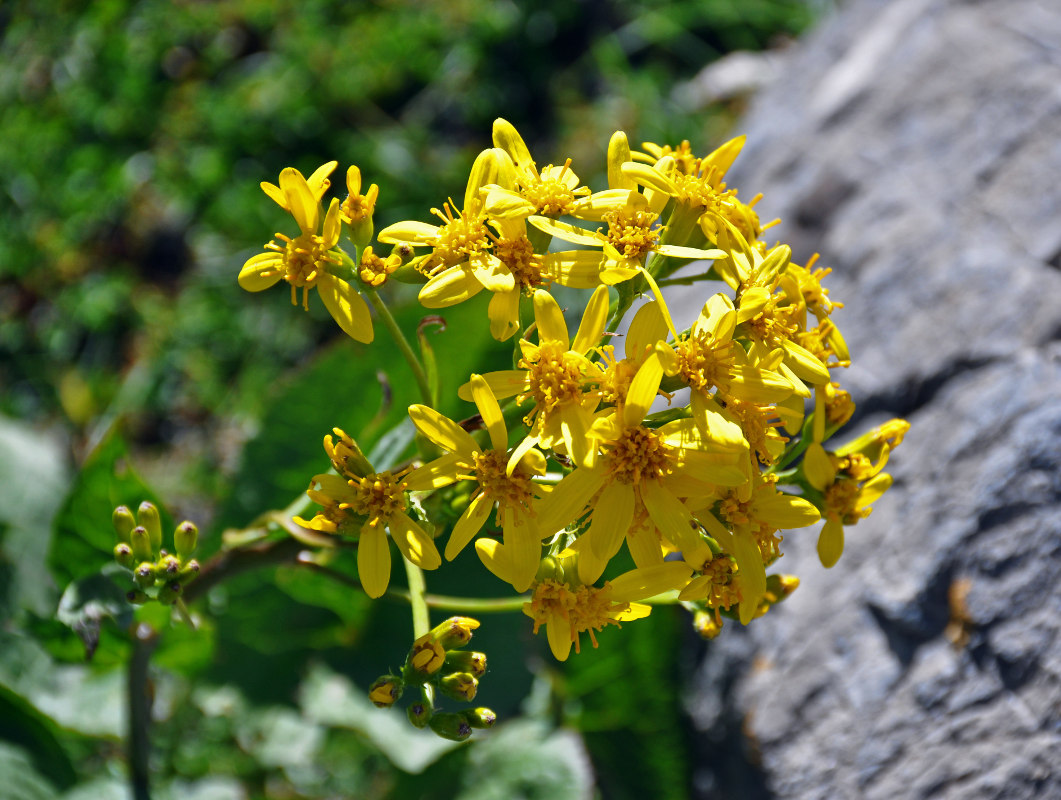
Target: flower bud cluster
{"type": "Point", "coordinates": [438, 664]}
{"type": "Point", "coordinates": [158, 574]}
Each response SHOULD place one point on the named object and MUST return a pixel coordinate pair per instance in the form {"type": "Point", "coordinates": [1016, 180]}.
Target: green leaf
{"type": "Point", "coordinates": [330, 699]}
{"type": "Point", "coordinates": [83, 540]}
{"type": "Point", "coordinates": [20, 780]}
{"type": "Point", "coordinates": [33, 477]}
{"type": "Point", "coordinates": [87, 602]}
{"type": "Point", "coordinates": [525, 759]}
{"type": "Point", "coordinates": [427, 353]}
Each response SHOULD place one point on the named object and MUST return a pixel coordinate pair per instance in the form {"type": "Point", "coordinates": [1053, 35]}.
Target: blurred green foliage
{"type": "Point", "coordinates": [133, 136]}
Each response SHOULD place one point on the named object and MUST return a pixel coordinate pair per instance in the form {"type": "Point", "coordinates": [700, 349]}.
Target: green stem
{"type": "Point", "coordinates": [471, 605]}
{"type": "Point", "coordinates": [417, 598]}
{"type": "Point", "coordinates": [403, 344]}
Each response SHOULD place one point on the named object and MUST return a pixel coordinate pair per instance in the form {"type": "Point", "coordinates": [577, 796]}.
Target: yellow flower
{"type": "Point", "coordinates": [357, 207]}
{"type": "Point", "coordinates": [716, 367]}
{"type": "Point", "coordinates": [638, 482]}
{"type": "Point", "coordinates": [501, 484]}
{"type": "Point", "coordinates": [632, 235]}
{"type": "Point", "coordinates": [568, 608]}
{"type": "Point", "coordinates": [378, 501]}
{"type": "Point", "coordinates": [461, 262]}
{"type": "Point", "coordinates": [558, 376]}
{"type": "Point", "coordinates": [553, 191]}
{"type": "Point", "coordinates": [850, 481]}
{"type": "Point", "coordinates": [309, 260]}
{"type": "Point", "coordinates": [317, 183]}
{"type": "Point", "coordinates": [745, 521]}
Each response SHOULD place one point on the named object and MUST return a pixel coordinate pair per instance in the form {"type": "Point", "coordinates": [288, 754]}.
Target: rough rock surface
{"type": "Point", "coordinates": [917, 145]}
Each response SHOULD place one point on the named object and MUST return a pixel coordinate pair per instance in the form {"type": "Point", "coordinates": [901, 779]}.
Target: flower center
{"type": "Point", "coordinates": [639, 453]}
{"type": "Point", "coordinates": [615, 382]}
{"type": "Point", "coordinates": [723, 591]}
{"type": "Point", "coordinates": [704, 362]}
{"type": "Point", "coordinates": [840, 500]}
{"type": "Point", "coordinates": [555, 375]}
{"type": "Point", "coordinates": [587, 609]}
{"type": "Point", "coordinates": [773, 324]}
{"type": "Point", "coordinates": [630, 232]}
{"type": "Point", "coordinates": [379, 496]}
{"type": "Point", "coordinates": [514, 491]}
{"type": "Point", "coordinates": [550, 196]}
{"type": "Point", "coordinates": [461, 236]}
{"type": "Point", "coordinates": [304, 258]}
{"type": "Point", "coordinates": [524, 264]}
{"type": "Point", "coordinates": [374, 270]}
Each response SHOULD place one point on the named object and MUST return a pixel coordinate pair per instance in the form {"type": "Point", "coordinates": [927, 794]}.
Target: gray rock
{"type": "Point", "coordinates": [917, 145]}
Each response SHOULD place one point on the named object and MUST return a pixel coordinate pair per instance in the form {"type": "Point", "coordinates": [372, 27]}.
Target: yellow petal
{"type": "Point", "coordinates": [647, 329]}
{"type": "Point", "coordinates": [669, 515]}
{"type": "Point", "coordinates": [649, 176]}
{"type": "Point", "coordinates": [275, 193]}
{"type": "Point", "coordinates": [303, 206]}
{"type": "Point", "coordinates": [577, 269]}
{"type": "Point", "coordinates": [413, 541]}
{"type": "Point", "coordinates": [752, 572]}
{"type": "Point", "coordinates": [492, 273]}
{"type": "Point", "coordinates": [873, 489]}
{"type": "Point", "coordinates": [490, 411]}
{"type": "Point", "coordinates": [619, 154]}
{"type": "Point", "coordinates": [261, 271]}
{"type": "Point", "coordinates": [469, 524]}
{"type": "Point", "coordinates": [409, 231]}
{"type": "Point", "coordinates": [594, 318]}
{"type": "Point", "coordinates": [611, 519]}
{"type": "Point", "coordinates": [677, 251]}
{"type": "Point", "coordinates": [508, 139]}
{"type": "Point", "coordinates": [503, 383]}
{"type": "Point", "coordinates": [353, 180]}
{"type": "Point", "coordinates": [558, 632]}
{"type": "Point", "coordinates": [449, 287]}
{"type": "Point", "coordinates": [642, 390]}
{"type": "Point", "coordinates": [440, 472]}
{"type": "Point", "coordinates": [638, 584]}
{"type": "Point", "coordinates": [332, 225]}
{"type": "Point", "coordinates": [443, 431]}
{"type": "Point", "coordinates": [373, 560]}
{"type": "Point", "coordinates": [506, 204]}
{"type": "Point", "coordinates": [594, 207]}
{"type": "Point", "coordinates": [804, 363]}
{"type": "Point", "coordinates": [818, 467]}
{"type": "Point", "coordinates": [347, 307]}
{"type": "Point", "coordinates": [551, 324]}
{"type": "Point", "coordinates": [566, 231]}
{"type": "Point", "coordinates": [566, 502]}
{"type": "Point", "coordinates": [831, 543]}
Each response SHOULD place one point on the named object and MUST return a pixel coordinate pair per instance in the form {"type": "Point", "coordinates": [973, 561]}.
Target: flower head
{"type": "Point", "coordinates": [309, 260]}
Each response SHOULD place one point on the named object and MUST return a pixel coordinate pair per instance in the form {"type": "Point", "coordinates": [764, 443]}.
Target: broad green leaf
{"type": "Point", "coordinates": [525, 759]}
{"type": "Point", "coordinates": [19, 780]}
{"type": "Point", "coordinates": [33, 478]}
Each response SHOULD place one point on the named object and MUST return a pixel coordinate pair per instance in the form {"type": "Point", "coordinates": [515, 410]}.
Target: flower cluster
{"type": "Point", "coordinates": [438, 664]}
{"type": "Point", "coordinates": [159, 575]}
{"type": "Point", "coordinates": [685, 447]}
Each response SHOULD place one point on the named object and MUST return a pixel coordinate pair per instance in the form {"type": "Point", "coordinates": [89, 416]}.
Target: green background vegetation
{"type": "Point", "coordinates": [133, 136]}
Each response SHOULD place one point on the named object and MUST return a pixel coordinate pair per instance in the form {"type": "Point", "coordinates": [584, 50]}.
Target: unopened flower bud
{"type": "Point", "coordinates": [451, 726]}
{"type": "Point", "coordinates": [147, 515]}
{"type": "Point", "coordinates": [167, 568]}
{"type": "Point", "coordinates": [426, 656]}
{"type": "Point", "coordinates": [466, 661]}
{"type": "Point", "coordinates": [549, 569]}
{"type": "Point", "coordinates": [454, 632]}
{"type": "Point", "coordinates": [169, 593]}
{"type": "Point", "coordinates": [144, 575]}
{"type": "Point", "coordinates": [459, 686]}
{"type": "Point", "coordinates": [419, 714]}
{"type": "Point", "coordinates": [140, 540]}
{"type": "Point", "coordinates": [385, 691]}
{"type": "Point", "coordinates": [123, 554]}
{"type": "Point", "coordinates": [706, 625]}
{"type": "Point", "coordinates": [186, 539]}
{"type": "Point", "coordinates": [124, 522]}
{"type": "Point", "coordinates": [188, 572]}
{"type": "Point", "coordinates": [137, 597]}
{"type": "Point", "coordinates": [479, 717]}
